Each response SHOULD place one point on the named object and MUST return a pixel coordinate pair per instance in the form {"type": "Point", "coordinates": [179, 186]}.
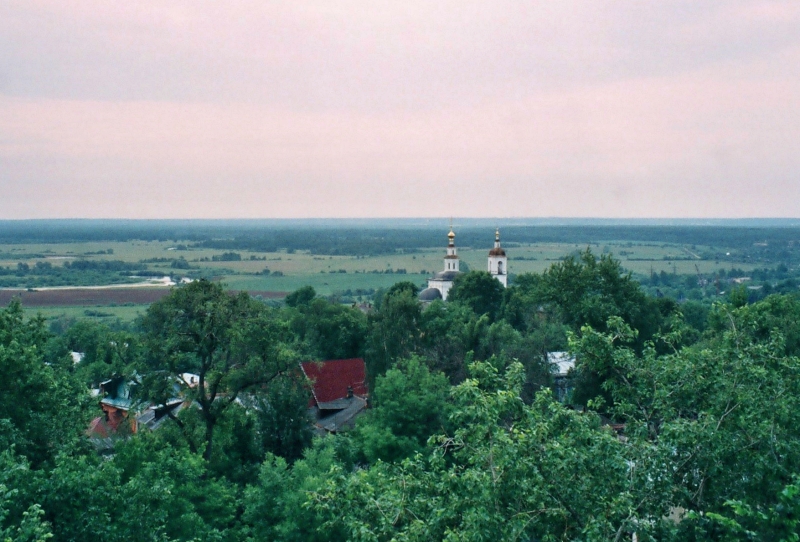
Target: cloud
{"type": "Point", "coordinates": [259, 109]}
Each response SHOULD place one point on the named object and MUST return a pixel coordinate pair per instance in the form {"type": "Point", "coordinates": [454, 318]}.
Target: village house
{"type": "Point", "coordinates": [339, 393]}
{"type": "Point", "coordinates": [561, 366]}
{"type": "Point", "coordinates": [123, 416]}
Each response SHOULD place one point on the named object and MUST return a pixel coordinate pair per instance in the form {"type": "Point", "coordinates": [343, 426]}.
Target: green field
{"type": "Point", "coordinates": [339, 275]}
{"type": "Point", "coordinates": [637, 257]}
{"type": "Point", "coordinates": [105, 313]}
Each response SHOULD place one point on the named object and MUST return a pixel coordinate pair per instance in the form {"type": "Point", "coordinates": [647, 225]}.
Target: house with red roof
{"type": "Point", "coordinates": [339, 392]}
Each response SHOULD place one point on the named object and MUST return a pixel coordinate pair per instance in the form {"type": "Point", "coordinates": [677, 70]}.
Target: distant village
{"type": "Point", "coordinates": [339, 389]}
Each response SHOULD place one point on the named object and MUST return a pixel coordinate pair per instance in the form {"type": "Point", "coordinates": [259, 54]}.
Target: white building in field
{"type": "Point", "coordinates": [439, 285]}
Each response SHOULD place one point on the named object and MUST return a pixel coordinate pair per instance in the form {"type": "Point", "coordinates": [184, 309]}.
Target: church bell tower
{"type": "Point", "coordinates": [451, 259]}
{"type": "Point", "coordinates": [498, 262]}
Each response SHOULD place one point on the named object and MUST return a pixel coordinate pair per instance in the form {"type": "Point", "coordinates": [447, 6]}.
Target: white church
{"type": "Point", "coordinates": [439, 285]}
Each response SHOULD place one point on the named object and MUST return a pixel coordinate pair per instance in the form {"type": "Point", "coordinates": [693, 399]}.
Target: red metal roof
{"type": "Point", "coordinates": [332, 378]}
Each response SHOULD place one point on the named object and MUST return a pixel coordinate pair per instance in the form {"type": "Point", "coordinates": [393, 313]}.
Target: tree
{"type": "Point", "coordinates": [724, 417]}
{"type": "Point", "coordinates": [106, 353]}
{"type": "Point", "coordinates": [523, 302]}
{"type": "Point", "coordinates": [738, 296]}
{"type": "Point", "coordinates": [507, 471]}
{"type": "Point", "coordinates": [760, 320]}
{"type": "Point", "coordinates": [394, 331]}
{"type": "Point", "coordinates": [327, 330]}
{"type": "Point", "coordinates": [146, 492]}
{"type": "Point", "coordinates": [479, 291]}
{"type": "Point", "coordinates": [410, 405]}
{"type": "Point", "coordinates": [780, 522]}
{"type": "Point", "coordinates": [277, 505]}
{"type": "Point", "coordinates": [31, 527]}
{"type": "Point", "coordinates": [394, 290]}
{"type": "Point", "coordinates": [282, 419]}
{"type": "Point", "coordinates": [43, 407]}
{"type": "Point", "coordinates": [301, 296]}
{"type": "Point", "coordinates": [587, 291]}
{"type": "Point", "coordinates": [232, 342]}
{"type": "Point", "coordinates": [448, 332]}
{"type": "Point", "coordinates": [502, 343]}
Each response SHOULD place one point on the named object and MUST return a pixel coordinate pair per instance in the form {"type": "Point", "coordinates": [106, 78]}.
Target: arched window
{"type": "Point", "coordinates": [499, 268]}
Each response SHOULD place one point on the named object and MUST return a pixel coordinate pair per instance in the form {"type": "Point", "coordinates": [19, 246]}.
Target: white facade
{"type": "Point", "coordinates": [498, 262]}
{"type": "Point", "coordinates": [442, 285]}
{"type": "Point", "coordinates": [443, 281]}
{"type": "Point", "coordinates": [451, 260]}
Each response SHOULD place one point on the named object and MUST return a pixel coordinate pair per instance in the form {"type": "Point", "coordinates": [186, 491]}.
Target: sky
{"type": "Point", "coordinates": [386, 108]}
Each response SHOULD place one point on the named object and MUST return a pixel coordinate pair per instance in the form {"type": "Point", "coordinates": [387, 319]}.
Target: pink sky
{"type": "Point", "coordinates": [388, 109]}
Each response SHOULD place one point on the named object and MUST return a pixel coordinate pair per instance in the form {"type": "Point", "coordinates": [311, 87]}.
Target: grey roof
{"type": "Point", "coordinates": [446, 275]}
{"type": "Point", "coordinates": [337, 404]}
{"type": "Point", "coordinates": [154, 416]}
{"type": "Point", "coordinates": [430, 294]}
{"type": "Point", "coordinates": [344, 418]}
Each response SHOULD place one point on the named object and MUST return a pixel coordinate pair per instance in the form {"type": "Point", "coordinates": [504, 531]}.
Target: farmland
{"type": "Point", "coordinates": [347, 263]}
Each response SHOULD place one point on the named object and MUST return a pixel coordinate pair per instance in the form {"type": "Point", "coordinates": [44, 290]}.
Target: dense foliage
{"type": "Point", "coordinates": [682, 424]}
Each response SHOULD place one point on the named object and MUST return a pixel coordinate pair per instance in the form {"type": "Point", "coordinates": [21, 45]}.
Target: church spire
{"type": "Point", "coordinates": [451, 237]}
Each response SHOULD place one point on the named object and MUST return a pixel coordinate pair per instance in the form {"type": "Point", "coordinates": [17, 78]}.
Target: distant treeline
{"type": "Point", "coordinates": [76, 273]}
{"type": "Point", "coordinates": [46, 268]}
{"type": "Point", "coordinates": [771, 243]}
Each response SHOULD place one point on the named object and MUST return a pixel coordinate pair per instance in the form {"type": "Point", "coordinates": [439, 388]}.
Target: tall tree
{"type": "Point", "coordinates": [725, 414]}
{"type": "Point", "coordinates": [231, 342]}
{"type": "Point", "coordinates": [587, 291]}
{"type": "Point", "coordinates": [327, 330]}
{"type": "Point", "coordinates": [448, 332]}
{"type": "Point", "coordinates": [507, 471]}
{"type": "Point", "coordinates": [410, 405]}
{"type": "Point", "coordinates": [394, 331]}
{"type": "Point", "coordinates": [301, 296]}
{"type": "Point", "coordinates": [43, 407]}
{"type": "Point", "coordinates": [479, 291]}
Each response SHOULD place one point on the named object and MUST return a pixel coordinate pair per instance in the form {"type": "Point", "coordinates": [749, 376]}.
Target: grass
{"type": "Point", "coordinates": [99, 313]}
{"type": "Point", "coordinates": [323, 283]}
{"type": "Point", "coordinates": [637, 257]}
{"type": "Point", "coordinates": [302, 268]}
